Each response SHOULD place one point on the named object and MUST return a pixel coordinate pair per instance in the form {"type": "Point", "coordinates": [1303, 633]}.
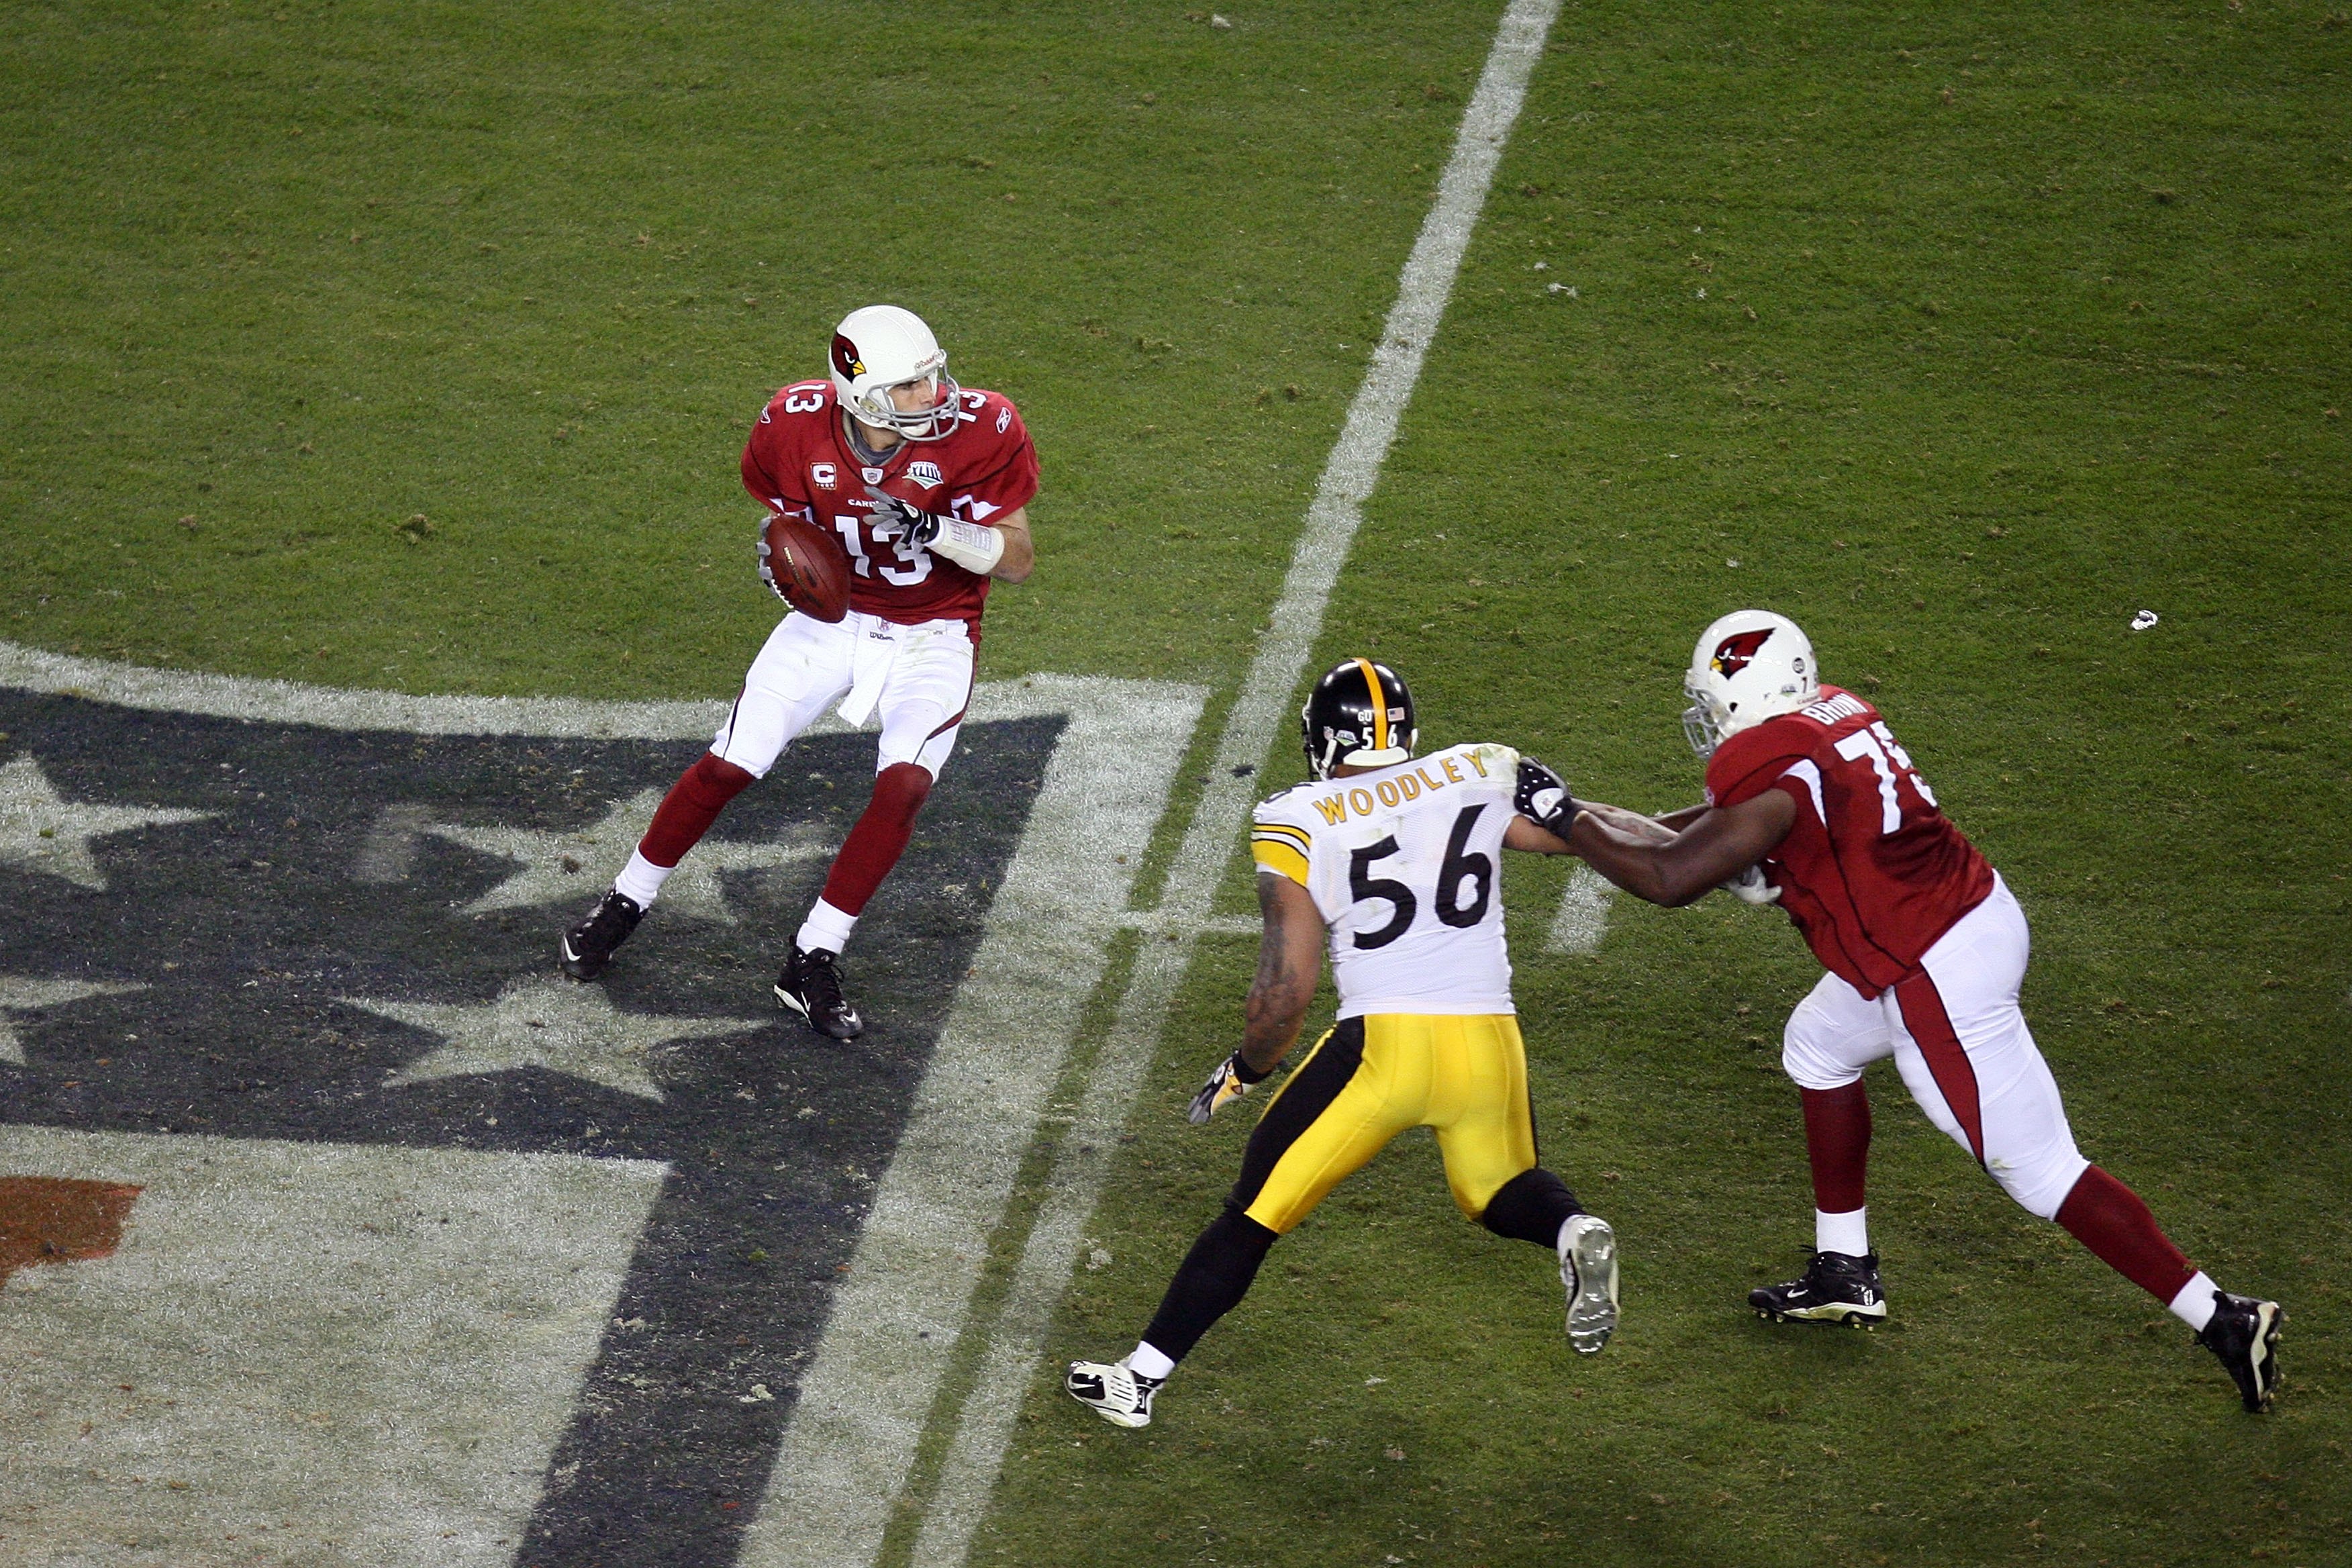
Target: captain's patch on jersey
{"type": "Point", "coordinates": [334, 1219]}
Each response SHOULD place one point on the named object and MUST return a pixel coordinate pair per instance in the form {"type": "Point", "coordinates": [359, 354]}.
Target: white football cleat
{"type": "Point", "coordinates": [1112, 1392]}
{"type": "Point", "coordinates": [1587, 1267]}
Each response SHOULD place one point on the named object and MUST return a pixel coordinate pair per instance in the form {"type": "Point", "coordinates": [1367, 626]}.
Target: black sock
{"type": "Point", "coordinates": [1215, 1276]}
{"type": "Point", "coordinates": [1530, 1206]}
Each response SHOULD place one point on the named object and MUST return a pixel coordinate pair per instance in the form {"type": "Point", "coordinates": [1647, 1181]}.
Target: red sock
{"type": "Point", "coordinates": [881, 836]}
{"type": "Point", "coordinates": [2109, 1218]}
{"type": "Point", "coordinates": [689, 809]}
{"type": "Point", "coordinates": [1837, 1140]}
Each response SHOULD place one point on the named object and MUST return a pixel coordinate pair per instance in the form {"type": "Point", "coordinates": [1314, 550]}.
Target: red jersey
{"type": "Point", "coordinates": [1873, 872]}
{"type": "Point", "coordinates": [799, 459]}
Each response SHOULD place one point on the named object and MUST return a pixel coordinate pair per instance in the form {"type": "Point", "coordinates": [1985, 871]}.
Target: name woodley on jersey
{"type": "Point", "coordinates": [1395, 791]}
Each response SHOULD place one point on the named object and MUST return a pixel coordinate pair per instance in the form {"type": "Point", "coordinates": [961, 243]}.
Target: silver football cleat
{"type": "Point", "coordinates": [1587, 1267]}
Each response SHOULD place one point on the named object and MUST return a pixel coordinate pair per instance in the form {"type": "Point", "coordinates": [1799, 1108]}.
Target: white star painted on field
{"type": "Point", "coordinates": [538, 1022]}
{"type": "Point", "coordinates": [563, 867]}
{"type": "Point", "coordinates": [42, 831]}
{"type": "Point", "coordinates": [23, 994]}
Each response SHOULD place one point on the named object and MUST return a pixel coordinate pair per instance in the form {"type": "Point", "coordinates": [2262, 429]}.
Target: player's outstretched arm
{"type": "Point", "coordinates": [1716, 847]}
{"type": "Point", "coordinates": [1525, 835]}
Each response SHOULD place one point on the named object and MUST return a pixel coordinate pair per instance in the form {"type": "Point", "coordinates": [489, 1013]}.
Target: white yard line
{"type": "Point", "coordinates": [1583, 918]}
{"type": "Point", "coordinates": [1259, 715]}
{"type": "Point", "coordinates": [291, 702]}
{"type": "Point", "coordinates": [898, 1312]}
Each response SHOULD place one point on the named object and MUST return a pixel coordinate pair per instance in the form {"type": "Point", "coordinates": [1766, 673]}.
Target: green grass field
{"type": "Point", "coordinates": [1958, 333]}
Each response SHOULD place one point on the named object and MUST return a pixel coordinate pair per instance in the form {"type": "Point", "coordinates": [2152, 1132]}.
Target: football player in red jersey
{"type": "Point", "coordinates": [928, 485]}
{"type": "Point", "coordinates": [1811, 802]}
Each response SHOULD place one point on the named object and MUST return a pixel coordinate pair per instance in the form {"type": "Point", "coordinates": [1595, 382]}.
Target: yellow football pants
{"type": "Point", "coordinates": [1370, 1078]}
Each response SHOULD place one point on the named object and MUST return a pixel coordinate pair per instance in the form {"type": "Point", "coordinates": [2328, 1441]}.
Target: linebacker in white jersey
{"type": "Point", "coordinates": [1393, 860]}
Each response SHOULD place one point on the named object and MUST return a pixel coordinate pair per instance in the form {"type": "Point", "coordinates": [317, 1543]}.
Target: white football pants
{"type": "Point", "coordinates": [1959, 1041]}
{"type": "Point", "coordinates": [917, 678]}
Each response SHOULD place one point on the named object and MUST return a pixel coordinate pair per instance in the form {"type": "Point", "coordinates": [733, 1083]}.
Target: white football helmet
{"type": "Point", "coordinates": [878, 347]}
{"type": "Point", "coordinates": [1748, 667]}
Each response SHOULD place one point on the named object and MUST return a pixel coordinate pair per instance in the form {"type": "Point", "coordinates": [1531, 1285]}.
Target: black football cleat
{"type": "Point", "coordinates": [589, 946]}
{"type": "Point", "coordinates": [2244, 1335]}
{"type": "Point", "coordinates": [810, 986]}
{"type": "Point", "coordinates": [1837, 1287]}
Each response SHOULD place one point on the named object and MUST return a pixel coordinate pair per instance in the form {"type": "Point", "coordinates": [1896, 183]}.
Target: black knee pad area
{"type": "Point", "coordinates": [1530, 1207]}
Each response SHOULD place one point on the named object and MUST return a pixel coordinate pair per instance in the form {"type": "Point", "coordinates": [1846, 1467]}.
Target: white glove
{"type": "Point", "coordinates": [1231, 1079]}
{"type": "Point", "coordinates": [1751, 888]}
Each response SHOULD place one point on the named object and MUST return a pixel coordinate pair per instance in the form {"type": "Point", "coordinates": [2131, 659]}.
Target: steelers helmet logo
{"type": "Point", "coordinates": [844, 357]}
{"type": "Point", "coordinates": [1733, 653]}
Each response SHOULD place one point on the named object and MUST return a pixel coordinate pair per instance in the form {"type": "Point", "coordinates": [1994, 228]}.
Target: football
{"type": "Point", "coordinates": [806, 566]}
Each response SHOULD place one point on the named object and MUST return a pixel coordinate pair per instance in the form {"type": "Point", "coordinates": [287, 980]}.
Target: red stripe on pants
{"type": "Point", "coordinates": [1947, 1059]}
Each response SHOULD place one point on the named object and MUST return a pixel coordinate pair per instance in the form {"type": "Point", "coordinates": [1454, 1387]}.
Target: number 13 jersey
{"type": "Point", "coordinates": [1402, 863]}
{"type": "Point", "coordinates": [799, 460]}
{"type": "Point", "coordinates": [1872, 871]}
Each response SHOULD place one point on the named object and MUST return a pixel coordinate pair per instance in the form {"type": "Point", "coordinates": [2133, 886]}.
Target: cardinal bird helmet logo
{"type": "Point", "coordinates": [844, 357]}
{"type": "Point", "coordinates": [1732, 654]}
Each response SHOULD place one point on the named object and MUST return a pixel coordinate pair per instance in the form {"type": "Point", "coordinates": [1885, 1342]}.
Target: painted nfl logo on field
{"type": "Point", "coordinates": [281, 1031]}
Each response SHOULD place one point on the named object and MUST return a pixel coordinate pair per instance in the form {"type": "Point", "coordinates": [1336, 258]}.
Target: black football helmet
{"type": "Point", "coordinates": [1360, 713]}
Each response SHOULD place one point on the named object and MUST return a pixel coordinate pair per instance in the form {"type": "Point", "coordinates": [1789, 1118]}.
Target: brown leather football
{"type": "Point", "coordinates": [806, 566]}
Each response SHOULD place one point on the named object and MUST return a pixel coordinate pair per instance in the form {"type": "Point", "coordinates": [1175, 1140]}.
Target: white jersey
{"type": "Point", "coordinates": [1402, 863]}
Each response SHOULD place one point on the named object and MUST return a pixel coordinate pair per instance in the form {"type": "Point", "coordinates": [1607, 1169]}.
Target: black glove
{"type": "Point", "coordinates": [889, 512]}
{"type": "Point", "coordinates": [1233, 1078]}
{"type": "Point", "coordinates": [1541, 796]}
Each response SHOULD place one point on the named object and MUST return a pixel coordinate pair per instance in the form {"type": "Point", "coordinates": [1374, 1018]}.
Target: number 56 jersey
{"type": "Point", "coordinates": [1401, 862]}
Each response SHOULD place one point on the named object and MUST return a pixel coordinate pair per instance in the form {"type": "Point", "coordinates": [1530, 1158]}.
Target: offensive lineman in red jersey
{"type": "Point", "coordinates": [929, 486]}
{"type": "Point", "coordinates": [1811, 803]}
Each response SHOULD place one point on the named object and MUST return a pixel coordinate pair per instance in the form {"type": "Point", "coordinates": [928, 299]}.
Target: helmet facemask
{"type": "Point", "coordinates": [880, 348]}
{"type": "Point", "coordinates": [934, 421]}
{"type": "Point", "coordinates": [1703, 719]}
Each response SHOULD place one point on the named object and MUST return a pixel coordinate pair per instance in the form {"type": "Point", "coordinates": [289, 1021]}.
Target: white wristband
{"type": "Point", "coordinates": [973, 545]}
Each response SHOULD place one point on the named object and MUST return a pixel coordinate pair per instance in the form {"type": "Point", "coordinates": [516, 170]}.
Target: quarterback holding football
{"type": "Point", "coordinates": [912, 492]}
{"type": "Point", "coordinates": [1811, 803]}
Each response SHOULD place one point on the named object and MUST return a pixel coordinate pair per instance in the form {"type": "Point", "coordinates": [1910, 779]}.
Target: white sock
{"type": "Point", "coordinates": [1146, 1361]}
{"type": "Point", "coordinates": [2194, 1306]}
{"type": "Point", "coordinates": [1848, 1233]}
{"type": "Point", "coordinates": [827, 928]}
{"type": "Point", "coordinates": [642, 880]}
